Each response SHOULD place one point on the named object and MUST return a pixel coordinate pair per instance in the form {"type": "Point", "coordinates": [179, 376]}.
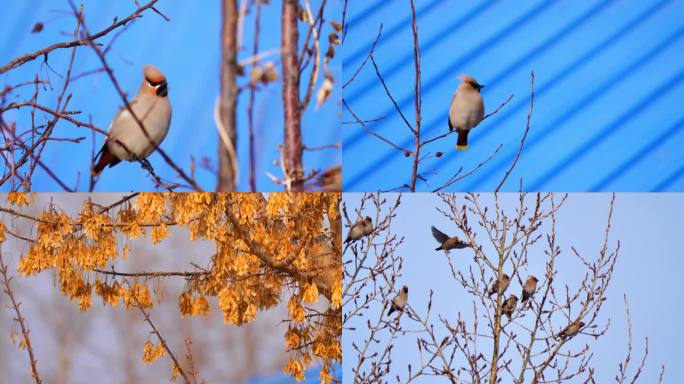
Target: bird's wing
{"type": "Point", "coordinates": [123, 113]}
{"type": "Point", "coordinates": [495, 287]}
{"type": "Point", "coordinates": [439, 235]}
{"type": "Point", "coordinates": [565, 330]}
{"type": "Point", "coordinates": [481, 108]}
{"type": "Point", "coordinates": [451, 105]}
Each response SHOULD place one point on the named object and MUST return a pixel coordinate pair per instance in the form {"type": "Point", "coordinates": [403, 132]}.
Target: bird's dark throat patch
{"type": "Point", "coordinates": [162, 90]}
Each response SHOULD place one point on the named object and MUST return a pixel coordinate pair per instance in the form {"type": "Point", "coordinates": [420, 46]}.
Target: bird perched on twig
{"type": "Point", "coordinates": [466, 110]}
{"type": "Point", "coordinates": [331, 180]}
{"type": "Point", "coordinates": [529, 288]}
{"type": "Point", "coordinates": [126, 140]}
{"type": "Point", "coordinates": [504, 280]}
{"type": "Point", "coordinates": [509, 306]}
{"type": "Point", "coordinates": [361, 228]}
{"type": "Point", "coordinates": [399, 301]}
{"type": "Point", "coordinates": [445, 242]}
{"type": "Point", "coordinates": [571, 330]}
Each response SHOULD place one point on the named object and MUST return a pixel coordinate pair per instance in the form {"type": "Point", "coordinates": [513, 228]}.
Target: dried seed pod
{"type": "Point", "coordinates": [325, 91]}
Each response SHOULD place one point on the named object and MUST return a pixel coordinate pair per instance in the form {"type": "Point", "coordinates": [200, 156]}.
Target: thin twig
{"type": "Point", "coordinates": [365, 60]}
{"type": "Point", "coordinates": [69, 44]}
{"type": "Point", "coordinates": [6, 282]}
{"type": "Point", "coordinates": [417, 97]}
{"type": "Point", "coordinates": [389, 94]}
{"type": "Point", "coordinates": [522, 141]}
{"type": "Point", "coordinates": [358, 120]}
{"type": "Point", "coordinates": [161, 340]}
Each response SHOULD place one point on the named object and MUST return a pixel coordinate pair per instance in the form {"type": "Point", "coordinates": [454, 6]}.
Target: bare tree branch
{"type": "Point", "coordinates": [228, 102]}
{"type": "Point", "coordinates": [6, 282]}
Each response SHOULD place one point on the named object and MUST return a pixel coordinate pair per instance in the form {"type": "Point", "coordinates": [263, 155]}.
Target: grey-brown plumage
{"type": "Point", "coordinates": [505, 281]}
{"type": "Point", "coordinates": [445, 242]}
{"type": "Point", "coordinates": [466, 110]}
{"type": "Point", "coordinates": [399, 301]}
{"type": "Point", "coordinates": [127, 140]}
{"type": "Point", "coordinates": [509, 306]}
{"type": "Point", "coordinates": [361, 228]}
{"type": "Point", "coordinates": [529, 288]}
{"type": "Point", "coordinates": [571, 330]}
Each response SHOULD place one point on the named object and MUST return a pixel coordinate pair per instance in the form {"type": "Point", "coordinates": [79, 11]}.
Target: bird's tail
{"type": "Point", "coordinates": [106, 158]}
{"type": "Point", "coordinates": [438, 248]}
{"type": "Point", "coordinates": [462, 142]}
{"type": "Point", "coordinates": [390, 310]}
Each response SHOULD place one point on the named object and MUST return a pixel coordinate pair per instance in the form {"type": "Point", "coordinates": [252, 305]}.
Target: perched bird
{"type": "Point", "coordinates": [571, 330]}
{"type": "Point", "coordinates": [529, 288]}
{"type": "Point", "coordinates": [360, 229]}
{"type": "Point", "coordinates": [151, 106]}
{"type": "Point", "coordinates": [399, 301]}
{"type": "Point", "coordinates": [466, 109]}
{"type": "Point", "coordinates": [509, 306]}
{"type": "Point", "coordinates": [505, 281]}
{"type": "Point", "coordinates": [331, 180]}
{"type": "Point", "coordinates": [446, 242]}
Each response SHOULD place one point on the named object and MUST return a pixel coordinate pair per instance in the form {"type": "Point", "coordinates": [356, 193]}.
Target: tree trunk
{"type": "Point", "coordinates": [228, 103]}
{"type": "Point", "coordinates": [292, 156]}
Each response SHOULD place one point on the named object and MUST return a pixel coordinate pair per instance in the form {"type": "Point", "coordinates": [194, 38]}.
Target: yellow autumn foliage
{"type": "Point", "coordinates": [268, 248]}
{"type": "Point", "coordinates": [152, 353]}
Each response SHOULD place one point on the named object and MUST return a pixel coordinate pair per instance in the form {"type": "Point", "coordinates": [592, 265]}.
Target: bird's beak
{"type": "Point", "coordinates": [162, 90]}
{"type": "Point", "coordinates": [482, 86]}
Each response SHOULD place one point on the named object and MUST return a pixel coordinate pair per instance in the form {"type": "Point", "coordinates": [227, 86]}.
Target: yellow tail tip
{"type": "Point", "coordinates": [461, 147]}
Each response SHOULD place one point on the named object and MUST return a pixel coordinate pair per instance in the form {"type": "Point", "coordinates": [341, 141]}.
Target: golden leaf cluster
{"type": "Point", "coordinates": [152, 353]}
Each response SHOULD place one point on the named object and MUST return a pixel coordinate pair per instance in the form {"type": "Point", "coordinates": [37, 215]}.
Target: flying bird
{"type": "Point", "coordinates": [505, 281]}
{"type": "Point", "coordinates": [529, 288]}
{"type": "Point", "coordinates": [466, 110]}
{"type": "Point", "coordinates": [361, 228]}
{"type": "Point", "coordinates": [571, 330]}
{"type": "Point", "coordinates": [445, 242]}
{"type": "Point", "coordinates": [399, 301]}
{"type": "Point", "coordinates": [509, 306]}
{"type": "Point", "coordinates": [151, 106]}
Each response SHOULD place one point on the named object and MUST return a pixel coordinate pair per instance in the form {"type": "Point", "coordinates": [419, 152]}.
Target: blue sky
{"type": "Point", "coordinates": [187, 50]}
{"type": "Point", "coordinates": [609, 80]}
{"type": "Point", "coordinates": [648, 271]}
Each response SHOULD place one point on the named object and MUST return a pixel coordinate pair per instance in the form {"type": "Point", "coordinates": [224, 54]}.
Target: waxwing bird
{"type": "Point", "coordinates": [399, 301]}
{"type": "Point", "coordinates": [331, 180]}
{"type": "Point", "coordinates": [446, 242]}
{"type": "Point", "coordinates": [466, 110]}
{"type": "Point", "coordinates": [151, 106]}
{"type": "Point", "coordinates": [367, 226]}
{"type": "Point", "coordinates": [360, 229]}
{"type": "Point", "coordinates": [529, 288]}
{"type": "Point", "coordinates": [505, 281]}
{"type": "Point", "coordinates": [509, 306]}
{"type": "Point", "coordinates": [571, 330]}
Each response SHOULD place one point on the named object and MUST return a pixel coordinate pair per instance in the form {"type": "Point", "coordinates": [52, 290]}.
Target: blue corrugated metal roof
{"type": "Point", "coordinates": [608, 93]}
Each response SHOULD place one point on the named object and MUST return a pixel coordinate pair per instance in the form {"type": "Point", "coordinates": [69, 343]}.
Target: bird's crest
{"type": "Point", "coordinates": [153, 75]}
